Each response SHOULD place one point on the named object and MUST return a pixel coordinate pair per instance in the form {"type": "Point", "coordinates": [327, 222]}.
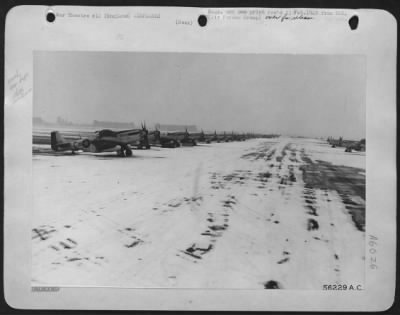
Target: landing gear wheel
{"type": "Point", "coordinates": [121, 153]}
{"type": "Point", "coordinates": [128, 152]}
{"type": "Point", "coordinates": [86, 143]}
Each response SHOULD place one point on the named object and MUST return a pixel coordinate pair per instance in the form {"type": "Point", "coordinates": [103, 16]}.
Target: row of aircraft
{"type": "Point", "coordinates": [123, 141]}
{"type": "Point", "coordinates": [349, 145]}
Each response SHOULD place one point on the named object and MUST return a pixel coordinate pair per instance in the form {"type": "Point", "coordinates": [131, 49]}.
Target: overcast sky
{"type": "Point", "coordinates": [308, 95]}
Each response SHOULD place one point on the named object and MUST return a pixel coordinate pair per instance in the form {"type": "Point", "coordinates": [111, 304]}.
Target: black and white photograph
{"type": "Point", "coordinates": [190, 170]}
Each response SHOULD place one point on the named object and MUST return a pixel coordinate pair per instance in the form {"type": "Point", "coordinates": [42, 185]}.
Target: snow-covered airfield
{"type": "Point", "coordinates": [283, 212]}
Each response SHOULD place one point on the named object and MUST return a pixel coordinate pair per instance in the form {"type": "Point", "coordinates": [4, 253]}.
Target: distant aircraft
{"type": "Point", "coordinates": [357, 146]}
{"type": "Point", "coordinates": [208, 137]}
{"type": "Point", "coordinates": [183, 137]}
{"type": "Point", "coordinates": [238, 137]}
{"type": "Point", "coordinates": [214, 137]}
{"type": "Point", "coordinates": [200, 137]}
{"type": "Point", "coordinates": [105, 140]}
{"type": "Point", "coordinates": [335, 143]}
{"type": "Point", "coordinates": [226, 138]}
{"type": "Point", "coordinates": [349, 145]}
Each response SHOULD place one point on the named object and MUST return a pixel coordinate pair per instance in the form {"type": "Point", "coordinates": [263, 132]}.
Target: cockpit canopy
{"type": "Point", "coordinates": [106, 133]}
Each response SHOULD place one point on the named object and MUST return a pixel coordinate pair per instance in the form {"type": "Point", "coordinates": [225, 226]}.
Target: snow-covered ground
{"type": "Point", "coordinates": [220, 215]}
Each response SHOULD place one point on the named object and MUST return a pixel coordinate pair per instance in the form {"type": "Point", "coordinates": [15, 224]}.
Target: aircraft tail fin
{"type": "Point", "coordinates": [56, 139]}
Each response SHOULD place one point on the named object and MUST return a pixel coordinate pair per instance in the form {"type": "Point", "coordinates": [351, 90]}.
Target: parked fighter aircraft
{"type": "Point", "coordinates": [209, 137]}
{"type": "Point", "coordinates": [335, 142]}
{"type": "Point", "coordinates": [104, 140]}
{"type": "Point", "coordinates": [349, 145]}
{"type": "Point", "coordinates": [183, 137]}
{"type": "Point", "coordinates": [232, 137]}
{"type": "Point", "coordinates": [226, 137]}
{"type": "Point", "coordinates": [164, 141]}
{"type": "Point", "coordinates": [238, 137]}
{"type": "Point", "coordinates": [199, 136]}
{"type": "Point", "coordinates": [214, 137]}
{"type": "Point", "coordinates": [357, 146]}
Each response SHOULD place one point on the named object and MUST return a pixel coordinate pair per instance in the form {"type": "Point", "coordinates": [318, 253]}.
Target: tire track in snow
{"type": "Point", "coordinates": [267, 226]}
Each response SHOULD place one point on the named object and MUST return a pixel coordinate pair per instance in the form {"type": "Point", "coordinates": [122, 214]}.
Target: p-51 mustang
{"type": "Point", "coordinates": [200, 137]}
{"type": "Point", "coordinates": [213, 137]}
{"type": "Point", "coordinates": [173, 139]}
{"type": "Point", "coordinates": [105, 140]}
{"type": "Point", "coordinates": [183, 137]}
